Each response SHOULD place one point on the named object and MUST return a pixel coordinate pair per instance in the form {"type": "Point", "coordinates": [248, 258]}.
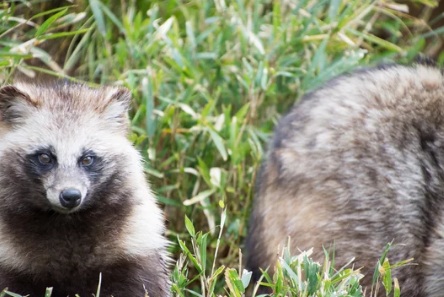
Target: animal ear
{"type": "Point", "coordinates": [116, 110]}
{"type": "Point", "coordinates": [14, 105]}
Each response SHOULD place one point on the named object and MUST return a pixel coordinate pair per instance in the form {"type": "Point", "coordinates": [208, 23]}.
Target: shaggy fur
{"type": "Point", "coordinates": [356, 164]}
{"type": "Point", "coordinates": [70, 136]}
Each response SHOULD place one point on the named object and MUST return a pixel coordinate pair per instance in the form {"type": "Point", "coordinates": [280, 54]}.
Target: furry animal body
{"type": "Point", "coordinates": [355, 165]}
{"type": "Point", "coordinates": [74, 202]}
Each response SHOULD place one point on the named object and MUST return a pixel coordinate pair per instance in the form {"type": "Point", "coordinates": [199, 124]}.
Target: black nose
{"type": "Point", "coordinates": [70, 197]}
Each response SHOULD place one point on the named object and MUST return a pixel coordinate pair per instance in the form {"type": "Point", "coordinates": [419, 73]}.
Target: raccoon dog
{"type": "Point", "coordinates": [74, 202]}
{"type": "Point", "coordinates": [355, 165]}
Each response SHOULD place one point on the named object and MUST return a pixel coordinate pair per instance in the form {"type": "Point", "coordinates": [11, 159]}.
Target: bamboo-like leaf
{"type": "Point", "coordinates": [190, 227]}
{"type": "Point", "coordinates": [219, 143]}
{"type": "Point", "coordinates": [98, 16]}
{"type": "Point", "coordinates": [46, 24]}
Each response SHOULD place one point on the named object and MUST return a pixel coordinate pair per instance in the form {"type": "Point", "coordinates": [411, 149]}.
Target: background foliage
{"type": "Point", "coordinates": [210, 79]}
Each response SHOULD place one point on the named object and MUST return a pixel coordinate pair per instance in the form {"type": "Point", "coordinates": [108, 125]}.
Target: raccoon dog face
{"type": "Point", "coordinates": [63, 146]}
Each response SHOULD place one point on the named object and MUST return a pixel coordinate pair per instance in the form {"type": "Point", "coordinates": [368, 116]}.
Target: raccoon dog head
{"type": "Point", "coordinates": [63, 147]}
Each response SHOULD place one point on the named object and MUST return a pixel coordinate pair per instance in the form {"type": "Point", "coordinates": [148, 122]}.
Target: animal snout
{"type": "Point", "coordinates": [70, 198]}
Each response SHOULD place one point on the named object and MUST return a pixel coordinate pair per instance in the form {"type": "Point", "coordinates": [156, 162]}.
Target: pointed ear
{"type": "Point", "coordinates": [15, 105]}
{"type": "Point", "coordinates": [116, 110]}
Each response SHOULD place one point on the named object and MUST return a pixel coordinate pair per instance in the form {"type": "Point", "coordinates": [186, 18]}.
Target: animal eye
{"type": "Point", "coordinates": [44, 159]}
{"type": "Point", "coordinates": [87, 161]}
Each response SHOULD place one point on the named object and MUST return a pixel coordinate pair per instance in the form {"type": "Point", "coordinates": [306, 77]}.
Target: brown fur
{"type": "Point", "coordinates": [357, 164]}
{"type": "Point", "coordinates": [116, 231]}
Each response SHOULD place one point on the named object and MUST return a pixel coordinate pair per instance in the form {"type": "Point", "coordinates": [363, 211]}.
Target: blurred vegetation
{"type": "Point", "coordinates": [209, 79]}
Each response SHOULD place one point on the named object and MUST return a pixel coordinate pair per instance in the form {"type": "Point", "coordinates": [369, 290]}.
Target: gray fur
{"type": "Point", "coordinates": [357, 164]}
{"type": "Point", "coordinates": [116, 229]}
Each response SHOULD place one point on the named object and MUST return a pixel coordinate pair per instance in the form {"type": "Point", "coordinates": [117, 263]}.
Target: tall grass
{"type": "Point", "coordinates": [209, 79]}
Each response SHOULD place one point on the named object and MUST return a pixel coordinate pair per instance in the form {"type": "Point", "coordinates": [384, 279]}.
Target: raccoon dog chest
{"type": "Point", "coordinates": [74, 200]}
{"type": "Point", "coordinates": [356, 164]}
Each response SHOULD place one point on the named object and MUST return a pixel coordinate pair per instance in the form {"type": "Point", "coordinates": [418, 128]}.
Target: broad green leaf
{"type": "Point", "coordinates": [190, 227]}
{"type": "Point", "coordinates": [98, 16]}
{"type": "Point", "coordinates": [44, 27]}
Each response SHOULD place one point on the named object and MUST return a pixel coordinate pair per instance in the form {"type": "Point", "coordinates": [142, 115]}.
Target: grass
{"type": "Point", "coordinates": [210, 79]}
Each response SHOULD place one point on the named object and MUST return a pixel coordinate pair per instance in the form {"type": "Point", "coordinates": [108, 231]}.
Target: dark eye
{"type": "Point", "coordinates": [45, 159]}
{"type": "Point", "coordinates": [87, 161]}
